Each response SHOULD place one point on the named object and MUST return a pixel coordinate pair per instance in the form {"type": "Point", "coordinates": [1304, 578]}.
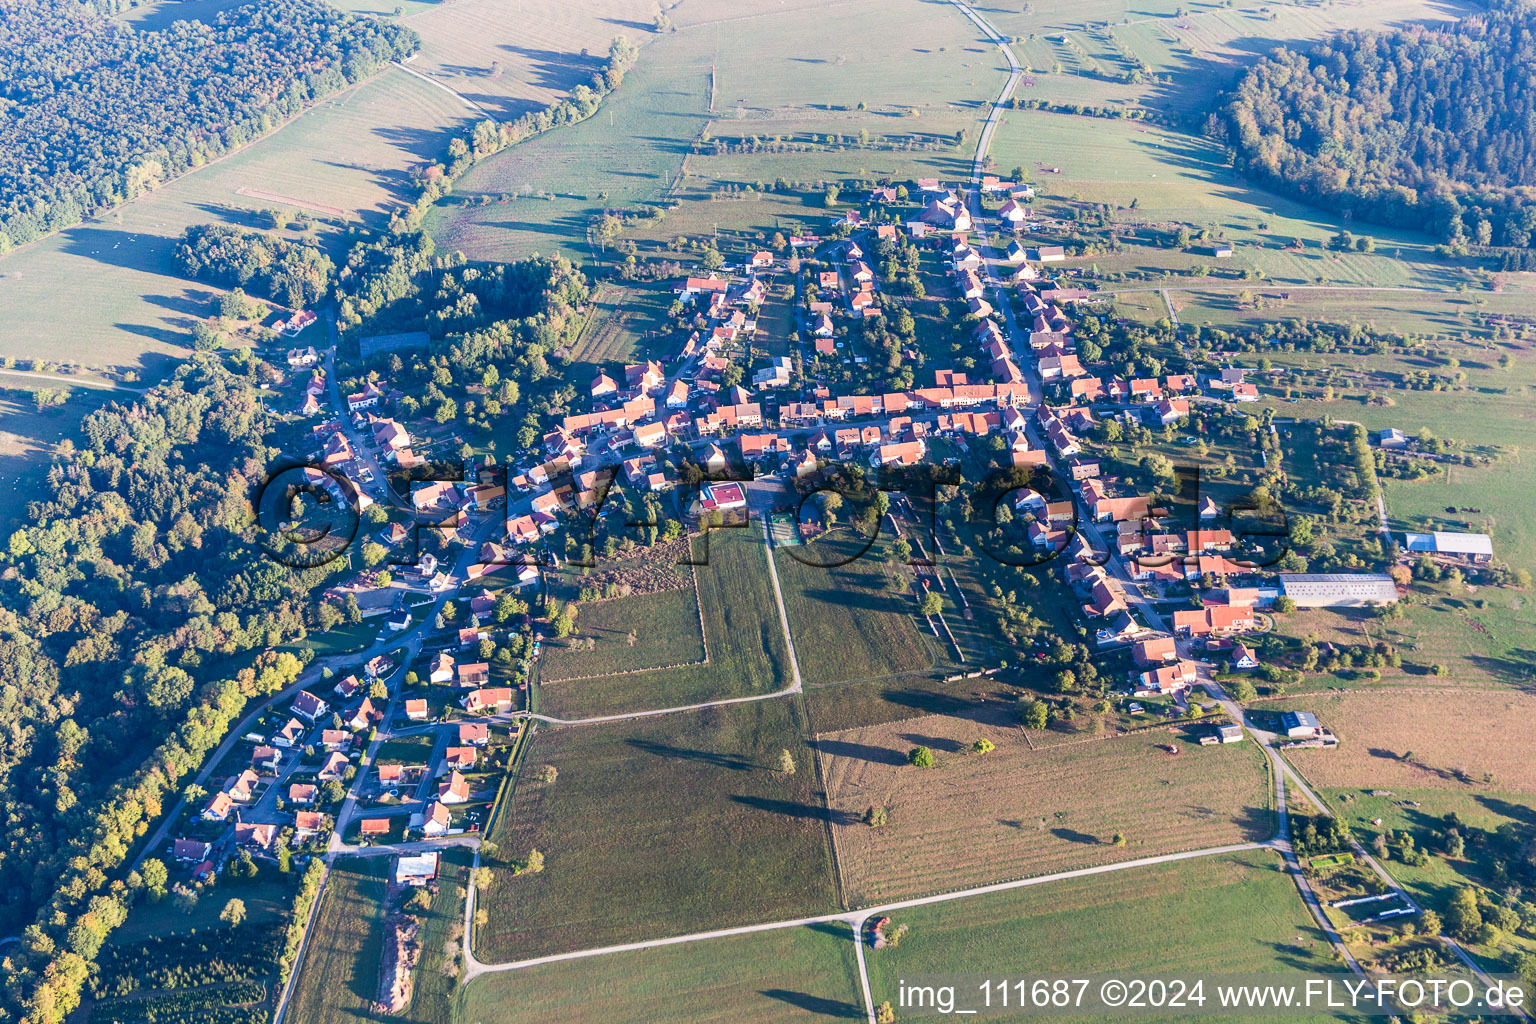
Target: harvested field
{"type": "Point", "coordinates": [1422, 738]}
{"type": "Point", "coordinates": [974, 819]}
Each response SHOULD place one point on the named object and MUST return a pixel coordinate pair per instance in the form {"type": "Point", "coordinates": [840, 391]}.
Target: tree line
{"type": "Point", "coordinates": [97, 112]}
{"type": "Point", "coordinates": [1423, 128]}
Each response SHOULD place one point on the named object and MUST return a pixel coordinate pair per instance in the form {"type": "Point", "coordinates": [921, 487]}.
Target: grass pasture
{"type": "Point", "coordinates": [339, 975]}
{"type": "Point", "coordinates": [1233, 914]}
{"type": "Point", "coordinates": [847, 623]}
{"type": "Point", "coordinates": [1173, 177]}
{"type": "Point", "coordinates": [777, 977]}
{"type": "Point", "coordinates": [658, 827]}
{"type": "Point", "coordinates": [1015, 812]}
{"type": "Point", "coordinates": [743, 638]}
{"type": "Point", "coordinates": [1422, 739]}
{"type": "Point", "coordinates": [666, 628]}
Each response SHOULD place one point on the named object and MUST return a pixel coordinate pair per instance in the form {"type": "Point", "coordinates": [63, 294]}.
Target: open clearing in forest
{"type": "Point", "coordinates": [106, 293]}
{"type": "Point", "coordinates": [1014, 812]}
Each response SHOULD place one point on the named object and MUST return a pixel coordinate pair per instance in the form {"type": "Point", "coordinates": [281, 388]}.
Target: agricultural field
{"type": "Point", "coordinates": [1414, 310]}
{"type": "Point", "coordinates": [789, 975]}
{"type": "Point", "coordinates": [665, 626]}
{"type": "Point", "coordinates": [1076, 52]}
{"type": "Point", "coordinates": [657, 827]}
{"type": "Point", "coordinates": [623, 324]}
{"type": "Point", "coordinates": [850, 622]}
{"type": "Point", "coordinates": [339, 975]}
{"type": "Point", "coordinates": [712, 76]}
{"type": "Point", "coordinates": [1153, 178]}
{"type": "Point", "coordinates": [742, 636]}
{"type": "Point", "coordinates": [1014, 812]}
{"type": "Point", "coordinates": [1233, 914]}
{"type": "Point", "coordinates": [510, 61]}
{"type": "Point", "coordinates": [346, 156]}
{"type": "Point", "coordinates": [1462, 740]}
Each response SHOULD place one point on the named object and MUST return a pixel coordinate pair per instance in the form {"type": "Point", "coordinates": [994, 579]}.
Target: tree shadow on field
{"type": "Point", "coordinates": [791, 809]}
{"type": "Point", "coordinates": [638, 26]}
{"type": "Point", "coordinates": [1517, 812]}
{"type": "Point", "coordinates": [709, 757]}
{"type": "Point", "coordinates": [862, 599]}
{"type": "Point", "coordinates": [554, 69]}
{"type": "Point", "coordinates": [943, 743]}
{"type": "Point", "coordinates": [933, 702]}
{"type": "Point", "coordinates": [837, 929]}
{"type": "Point", "coordinates": [422, 143]}
{"type": "Point", "coordinates": [1292, 956]}
{"type": "Point", "coordinates": [821, 1007]}
{"type": "Point", "coordinates": [862, 751]}
{"type": "Point", "coordinates": [191, 302]}
{"type": "Point", "coordinates": [119, 247]}
{"type": "Point", "coordinates": [162, 335]}
{"type": "Point", "coordinates": [1074, 836]}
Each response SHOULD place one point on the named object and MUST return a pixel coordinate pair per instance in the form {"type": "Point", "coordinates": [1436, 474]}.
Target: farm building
{"type": "Point", "coordinates": [1299, 724]}
{"type": "Point", "coordinates": [1474, 547]}
{"type": "Point", "coordinates": [1338, 589]}
{"type": "Point", "coordinates": [416, 869]}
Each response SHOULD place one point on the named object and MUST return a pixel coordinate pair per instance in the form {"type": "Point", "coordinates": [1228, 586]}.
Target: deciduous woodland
{"type": "Point", "coordinates": [1422, 127]}
{"type": "Point", "coordinates": [96, 113]}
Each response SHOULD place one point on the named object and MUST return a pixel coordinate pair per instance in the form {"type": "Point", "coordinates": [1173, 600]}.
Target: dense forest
{"type": "Point", "coordinates": [1429, 128]}
{"type": "Point", "coordinates": [136, 618]}
{"type": "Point", "coordinates": [92, 112]}
{"type": "Point", "coordinates": [296, 274]}
{"type": "Point", "coordinates": [499, 332]}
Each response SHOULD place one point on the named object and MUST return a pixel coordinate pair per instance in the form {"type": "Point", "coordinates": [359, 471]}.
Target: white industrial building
{"type": "Point", "coordinates": [1338, 589]}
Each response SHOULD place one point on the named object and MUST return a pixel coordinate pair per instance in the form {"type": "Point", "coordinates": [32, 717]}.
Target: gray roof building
{"type": "Point", "coordinates": [1338, 589]}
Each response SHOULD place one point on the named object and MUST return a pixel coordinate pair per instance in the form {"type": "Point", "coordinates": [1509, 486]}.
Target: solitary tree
{"type": "Point", "coordinates": [233, 913]}
{"type": "Point", "coordinates": [922, 757]}
{"type": "Point", "coordinates": [983, 746]}
{"type": "Point", "coordinates": [931, 604]}
{"type": "Point", "coordinates": [786, 762]}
